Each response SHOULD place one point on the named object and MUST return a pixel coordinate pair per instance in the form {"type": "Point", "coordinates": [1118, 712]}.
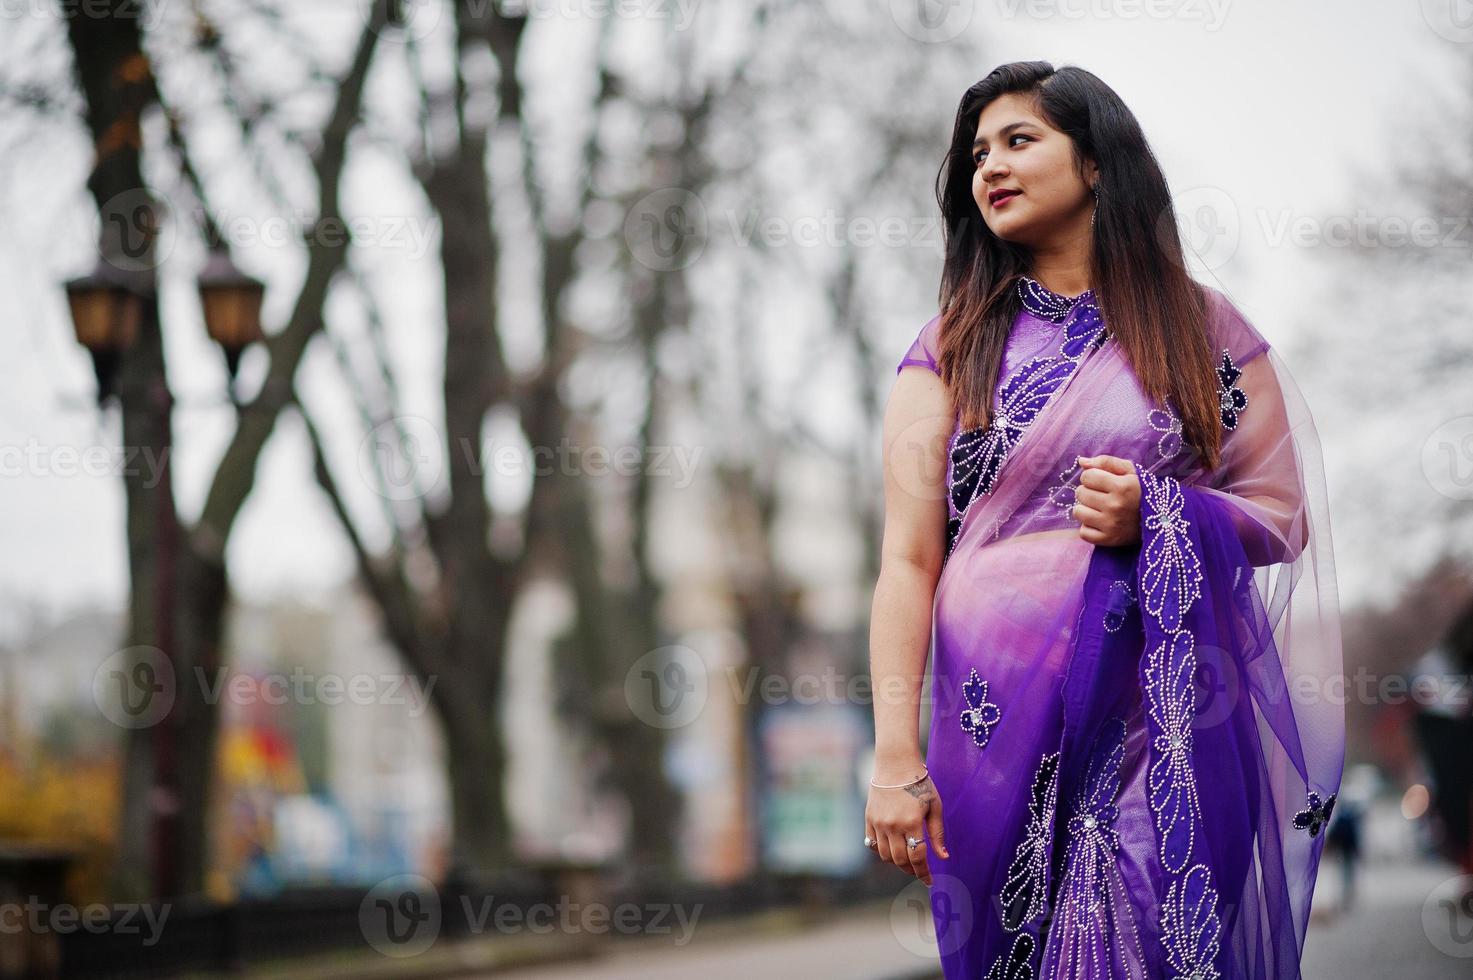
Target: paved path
{"type": "Point", "coordinates": [861, 945]}
{"type": "Point", "coordinates": [1383, 936]}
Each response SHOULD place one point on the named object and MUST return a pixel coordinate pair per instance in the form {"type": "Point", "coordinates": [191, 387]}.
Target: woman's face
{"type": "Point", "coordinates": [1016, 150]}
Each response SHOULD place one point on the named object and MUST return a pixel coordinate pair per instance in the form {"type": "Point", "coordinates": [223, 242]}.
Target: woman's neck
{"type": "Point", "coordinates": [1068, 282]}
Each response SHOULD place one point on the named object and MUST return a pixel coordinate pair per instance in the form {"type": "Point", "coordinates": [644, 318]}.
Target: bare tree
{"type": "Point", "coordinates": [179, 586]}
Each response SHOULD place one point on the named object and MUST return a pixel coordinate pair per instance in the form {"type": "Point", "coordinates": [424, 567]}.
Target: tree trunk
{"type": "Point", "coordinates": [476, 759]}
{"type": "Point", "coordinates": [203, 592]}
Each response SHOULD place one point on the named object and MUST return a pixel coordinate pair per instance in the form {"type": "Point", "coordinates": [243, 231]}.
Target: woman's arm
{"type": "Point", "coordinates": [917, 426]}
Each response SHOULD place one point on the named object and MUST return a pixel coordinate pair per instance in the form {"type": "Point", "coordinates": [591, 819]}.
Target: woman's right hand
{"type": "Point", "coordinates": [892, 815]}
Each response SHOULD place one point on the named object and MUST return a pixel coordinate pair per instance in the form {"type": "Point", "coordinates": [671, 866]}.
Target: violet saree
{"type": "Point", "coordinates": [1134, 747]}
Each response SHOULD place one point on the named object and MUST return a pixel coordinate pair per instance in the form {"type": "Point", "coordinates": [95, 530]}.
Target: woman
{"type": "Point", "coordinates": [1104, 485]}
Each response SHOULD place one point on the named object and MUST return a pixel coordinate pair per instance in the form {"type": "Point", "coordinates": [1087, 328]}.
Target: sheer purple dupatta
{"type": "Point", "coordinates": [1231, 619]}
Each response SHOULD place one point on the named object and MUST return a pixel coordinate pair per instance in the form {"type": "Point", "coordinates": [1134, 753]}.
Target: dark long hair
{"type": "Point", "coordinates": [1154, 309]}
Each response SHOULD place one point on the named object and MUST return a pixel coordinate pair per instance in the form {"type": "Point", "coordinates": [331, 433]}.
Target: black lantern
{"type": "Point", "coordinates": [231, 301]}
{"type": "Point", "coordinates": [105, 315]}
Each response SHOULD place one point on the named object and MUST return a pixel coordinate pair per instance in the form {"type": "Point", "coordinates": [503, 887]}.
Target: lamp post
{"type": "Point", "coordinates": [231, 301]}
{"type": "Point", "coordinates": [106, 313]}
{"type": "Point", "coordinates": [108, 307]}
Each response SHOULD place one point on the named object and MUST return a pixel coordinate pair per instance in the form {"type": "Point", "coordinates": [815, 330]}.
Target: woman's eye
{"type": "Point", "coordinates": [977, 157]}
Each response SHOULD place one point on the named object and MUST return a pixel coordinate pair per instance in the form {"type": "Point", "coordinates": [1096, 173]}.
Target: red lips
{"type": "Point", "coordinates": [1001, 194]}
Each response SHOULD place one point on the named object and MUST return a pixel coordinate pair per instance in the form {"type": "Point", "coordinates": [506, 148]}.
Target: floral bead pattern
{"type": "Point", "coordinates": [1173, 576]}
{"type": "Point", "coordinates": [1061, 494]}
{"type": "Point", "coordinates": [1025, 893]}
{"type": "Point", "coordinates": [1044, 303]}
{"type": "Point", "coordinates": [976, 455]}
{"type": "Point", "coordinates": [1315, 815]}
{"type": "Point", "coordinates": [1170, 584]}
{"type": "Point", "coordinates": [1094, 911]}
{"type": "Point", "coordinates": [1165, 421]}
{"type": "Point", "coordinates": [1016, 963]}
{"type": "Point", "coordinates": [978, 717]}
{"type": "Point", "coordinates": [1117, 605]}
{"type": "Point", "coordinates": [1233, 399]}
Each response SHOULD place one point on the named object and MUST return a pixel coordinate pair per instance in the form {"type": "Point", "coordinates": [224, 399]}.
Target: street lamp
{"type": "Point", "coordinates": [231, 301]}
{"type": "Point", "coordinates": [105, 315]}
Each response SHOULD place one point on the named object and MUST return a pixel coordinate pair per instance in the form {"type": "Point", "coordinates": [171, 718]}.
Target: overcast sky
{"type": "Point", "coordinates": [1281, 110]}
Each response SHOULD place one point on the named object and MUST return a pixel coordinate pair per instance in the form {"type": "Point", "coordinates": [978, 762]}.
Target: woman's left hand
{"type": "Point", "coordinates": [1107, 502]}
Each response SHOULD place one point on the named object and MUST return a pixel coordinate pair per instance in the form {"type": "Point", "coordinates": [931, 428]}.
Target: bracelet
{"type": "Point", "coordinates": [922, 776]}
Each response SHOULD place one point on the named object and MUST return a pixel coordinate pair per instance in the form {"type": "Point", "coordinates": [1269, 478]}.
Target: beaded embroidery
{"type": "Point", "coordinates": [1093, 903]}
{"type": "Point", "coordinates": [1117, 605]}
{"type": "Point", "coordinates": [1016, 963]}
{"type": "Point", "coordinates": [1170, 584]}
{"type": "Point", "coordinates": [1172, 784]}
{"type": "Point", "coordinates": [1173, 577]}
{"type": "Point", "coordinates": [977, 454]}
{"type": "Point", "coordinates": [979, 715]}
{"type": "Point", "coordinates": [1025, 893]}
{"type": "Point", "coordinates": [1189, 925]}
{"type": "Point", "coordinates": [1315, 814]}
{"type": "Point", "coordinates": [1061, 494]}
{"type": "Point", "coordinates": [1046, 304]}
{"type": "Point", "coordinates": [1233, 399]}
{"type": "Point", "coordinates": [1164, 421]}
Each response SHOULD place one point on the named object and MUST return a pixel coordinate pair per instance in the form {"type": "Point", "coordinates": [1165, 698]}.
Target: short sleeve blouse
{"type": "Point", "coordinates": [923, 349]}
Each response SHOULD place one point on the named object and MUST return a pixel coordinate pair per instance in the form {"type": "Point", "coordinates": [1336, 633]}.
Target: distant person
{"type": "Point", "coordinates": [1344, 841]}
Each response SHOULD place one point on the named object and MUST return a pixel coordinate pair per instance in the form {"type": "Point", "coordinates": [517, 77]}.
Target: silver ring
{"type": "Point", "coordinates": [869, 841]}
{"type": "Point", "coordinates": [912, 842]}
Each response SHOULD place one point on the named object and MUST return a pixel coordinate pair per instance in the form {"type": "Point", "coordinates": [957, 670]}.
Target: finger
{"type": "Point", "coordinates": [904, 853]}
{"type": "Point", "coordinates": [1094, 499]}
{"type": "Point", "coordinates": [1093, 535]}
{"type": "Point", "coordinates": [1087, 516]}
{"type": "Point", "coordinates": [919, 866]}
{"type": "Point", "coordinates": [1113, 464]}
{"type": "Point", "coordinates": [899, 853]}
{"type": "Point", "coordinates": [882, 848]}
{"type": "Point", "coordinates": [869, 831]}
{"type": "Point", "coordinates": [1098, 479]}
{"type": "Point", "coordinates": [936, 830]}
